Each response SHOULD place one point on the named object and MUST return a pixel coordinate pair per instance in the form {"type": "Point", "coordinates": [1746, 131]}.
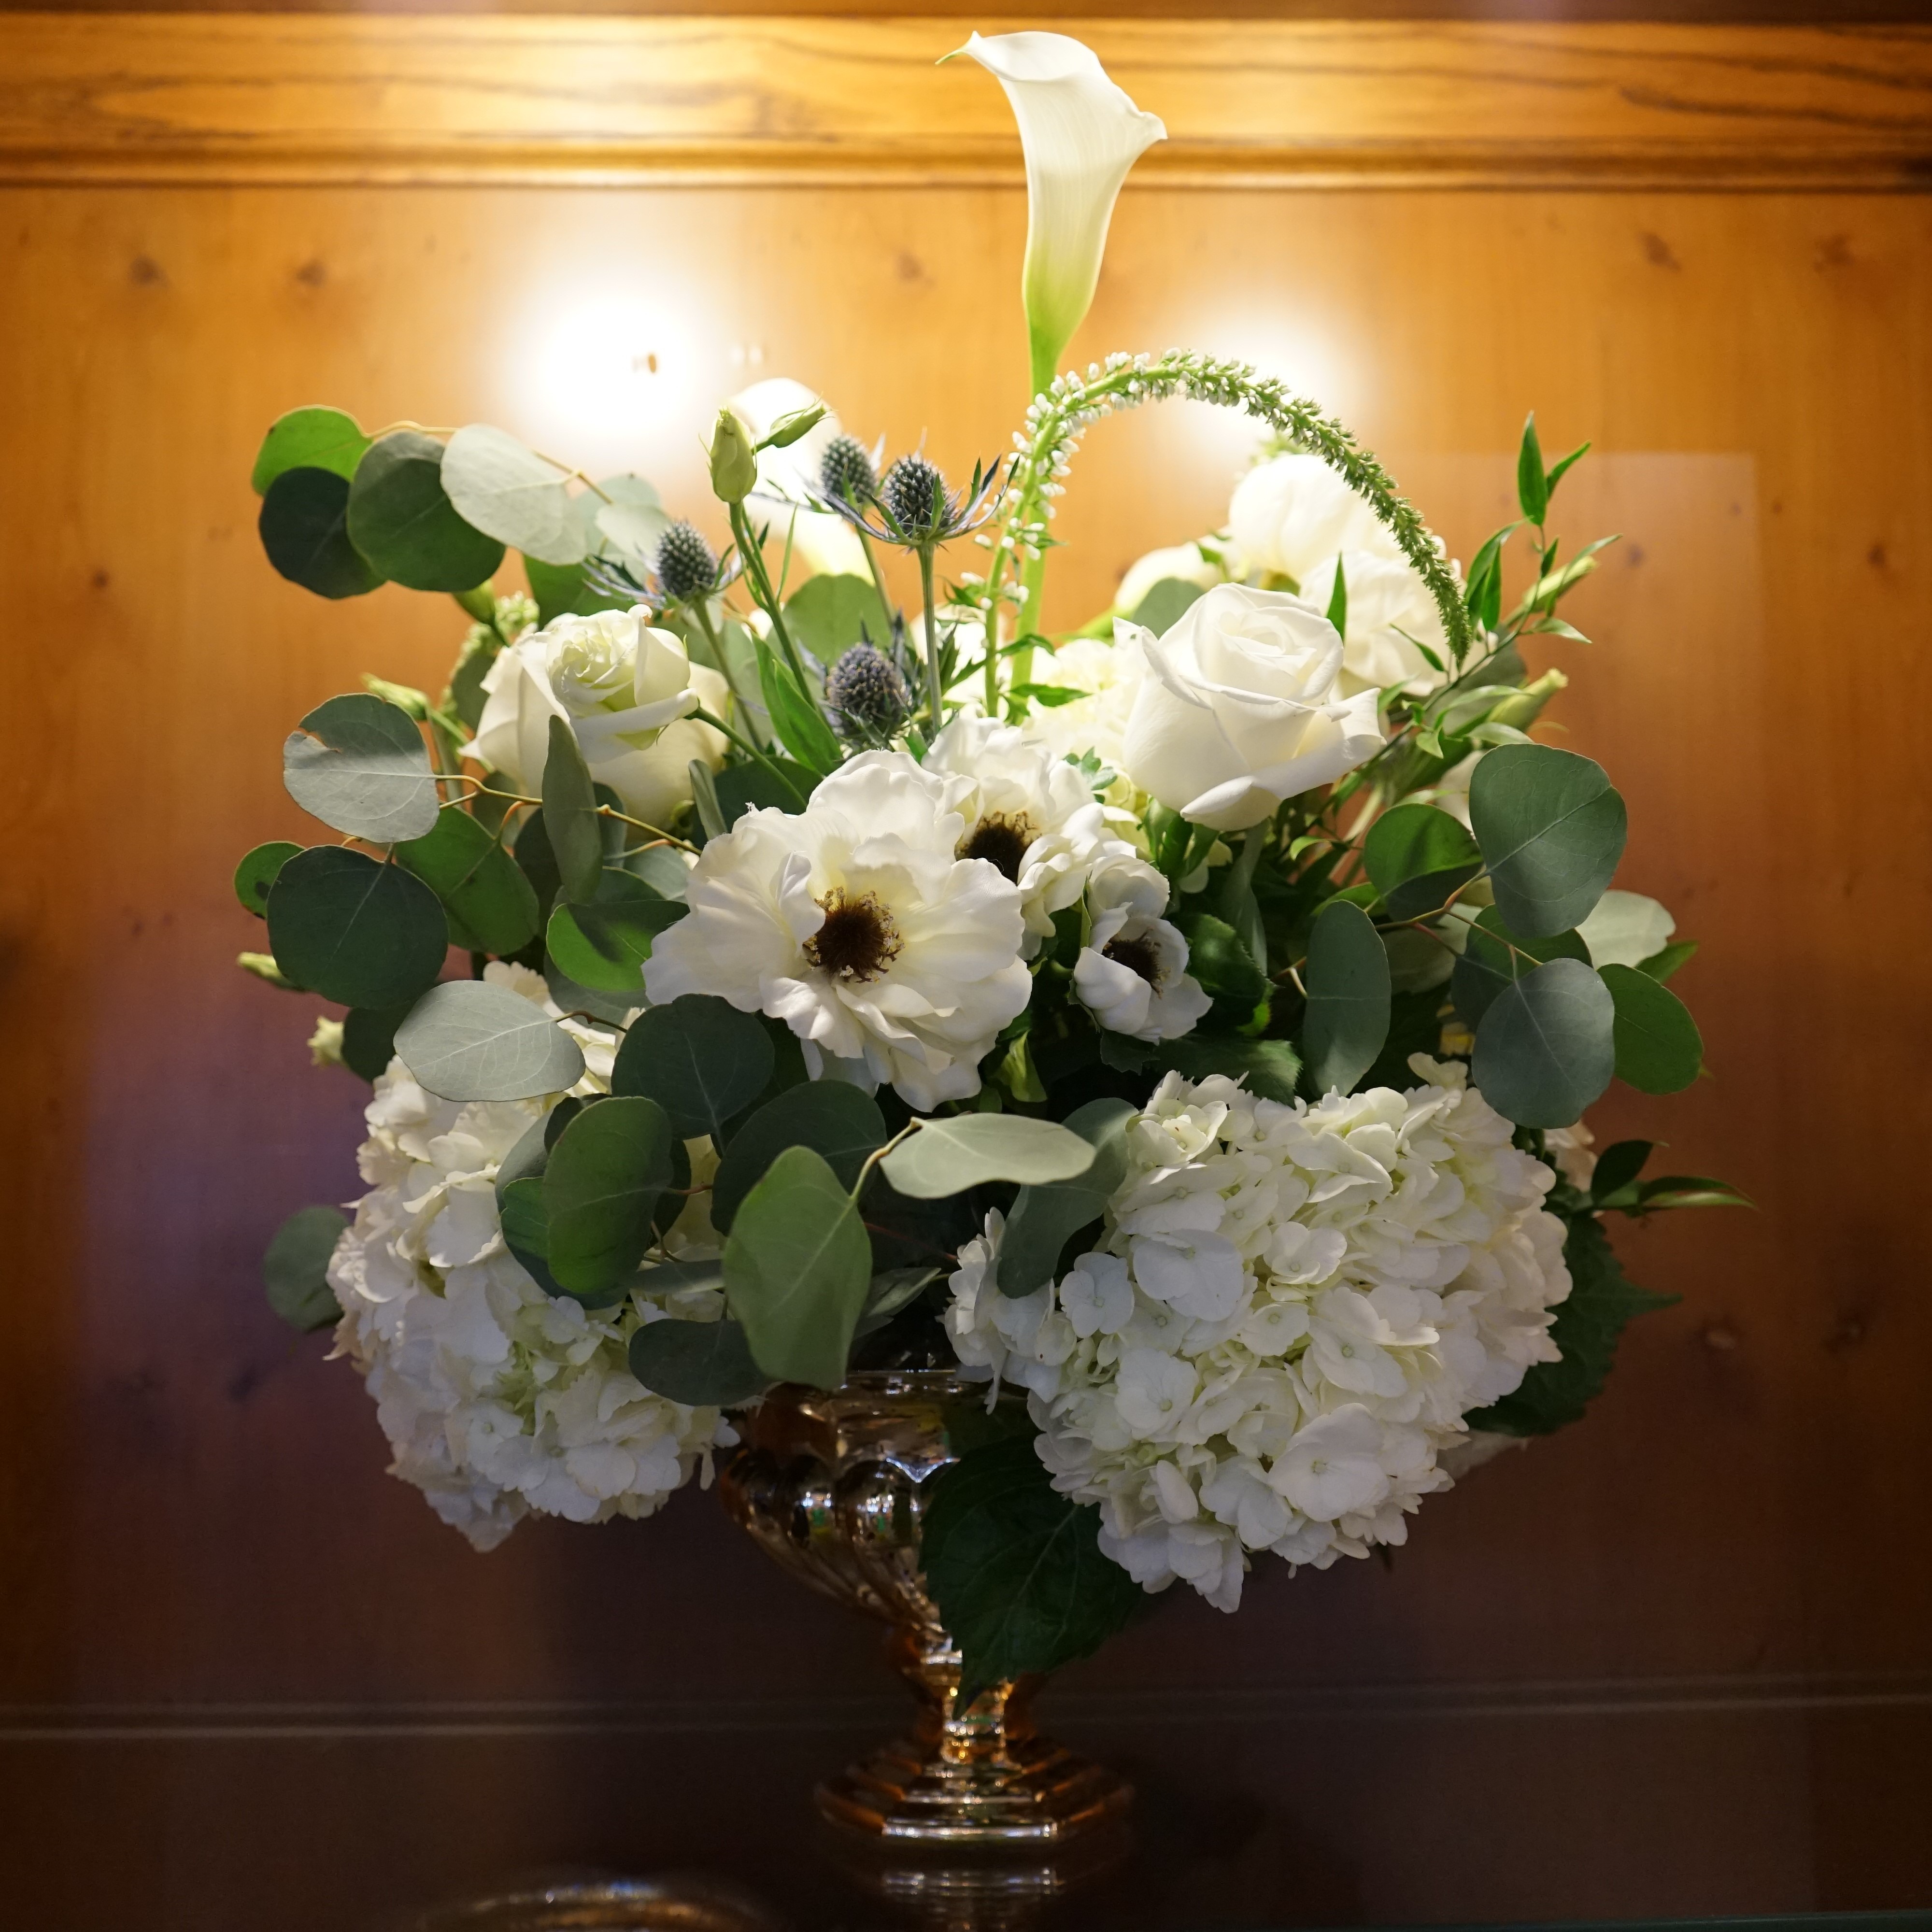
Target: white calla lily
{"type": "Point", "coordinates": [1081, 133]}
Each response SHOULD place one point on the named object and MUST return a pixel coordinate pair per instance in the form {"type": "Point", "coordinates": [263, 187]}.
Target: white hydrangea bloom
{"type": "Point", "coordinates": [1293, 1310]}
{"type": "Point", "coordinates": [497, 1398]}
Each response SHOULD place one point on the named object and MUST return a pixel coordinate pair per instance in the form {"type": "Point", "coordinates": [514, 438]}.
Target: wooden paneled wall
{"type": "Point", "coordinates": [1699, 247]}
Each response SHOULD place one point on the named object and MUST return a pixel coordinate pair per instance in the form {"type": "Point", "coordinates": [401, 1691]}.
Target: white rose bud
{"type": "Point", "coordinates": [626, 689]}
{"type": "Point", "coordinates": [1239, 710]}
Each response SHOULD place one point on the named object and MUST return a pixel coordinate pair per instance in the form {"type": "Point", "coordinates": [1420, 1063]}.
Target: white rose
{"type": "Point", "coordinates": [1293, 512]}
{"type": "Point", "coordinates": [1187, 562]}
{"type": "Point", "coordinates": [627, 690]}
{"type": "Point", "coordinates": [1239, 710]}
{"type": "Point", "coordinates": [1390, 612]}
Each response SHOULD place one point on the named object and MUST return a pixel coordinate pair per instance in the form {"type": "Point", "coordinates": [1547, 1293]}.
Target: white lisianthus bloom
{"type": "Point", "coordinates": [1390, 612]}
{"type": "Point", "coordinates": [789, 477]}
{"type": "Point", "coordinates": [1291, 1312]}
{"type": "Point", "coordinates": [1186, 563]}
{"type": "Point", "coordinates": [1240, 708]}
{"type": "Point", "coordinates": [1098, 721]}
{"type": "Point", "coordinates": [1291, 513]}
{"type": "Point", "coordinates": [1081, 133]}
{"type": "Point", "coordinates": [1131, 975]}
{"type": "Point", "coordinates": [857, 923]}
{"type": "Point", "coordinates": [626, 690]}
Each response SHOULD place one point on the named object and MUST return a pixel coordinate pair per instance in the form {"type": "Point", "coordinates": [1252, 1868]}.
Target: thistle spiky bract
{"type": "Point", "coordinates": [686, 565]}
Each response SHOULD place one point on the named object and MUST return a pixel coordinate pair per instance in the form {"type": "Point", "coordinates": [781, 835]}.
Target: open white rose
{"type": "Point", "coordinates": [1293, 512]}
{"type": "Point", "coordinates": [1389, 611]}
{"type": "Point", "coordinates": [626, 690]}
{"type": "Point", "coordinates": [1239, 709]}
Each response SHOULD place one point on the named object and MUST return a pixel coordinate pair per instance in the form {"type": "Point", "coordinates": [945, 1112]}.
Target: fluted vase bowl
{"type": "Point", "coordinates": [832, 1485]}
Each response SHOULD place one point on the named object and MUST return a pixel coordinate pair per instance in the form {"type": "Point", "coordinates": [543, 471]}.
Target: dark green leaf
{"type": "Point", "coordinates": [1165, 603]}
{"type": "Point", "coordinates": [702, 1364]}
{"type": "Point", "coordinates": [1417, 856]}
{"type": "Point", "coordinates": [258, 870]}
{"type": "Point", "coordinates": [1658, 1047]}
{"type": "Point", "coordinates": [526, 1225]}
{"type": "Point", "coordinates": [827, 614]}
{"type": "Point", "coordinates": [1601, 1303]}
{"type": "Point", "coordinates": [1532, 484]}
{"type": "Point", "coordinates": [1551, 828]}
{"type": "Point", "coordinates": [1015, 1568]}
{"type": "Point", "coordinates": [401, 520]}
{"type": "Point", "coordinates": [571, 826]}
{"type": "Point", "coordinates": [563, 590]}
{"type": "Point", "coordinates": [294, 1270]}
{"type": "Point", "coordinates": [1338, 600]}
{"type": "Point", "coordinates": [1347, 977]}
{"type": "Point", "coordinates": [1690, 1190]}
{"type": "Point", "coordinates": [1544, 1050]}
{"type": "Point", "coordinates": [1268, 1067]}
{"type": "Point", "coordinates": [701, 1059]}
{"type": "Point", "coordinates": [798, 1266]}
{"type": "Point", "coordinates": [304, 530]}
{"type": "Point", "coordinates": [838, 1123]}
{"type": "Point", "coordinates": [1223, 965]}
{"type": "Point", "coordinates": [492, 906]}
{"type": "Point", "coordinates": [1048, 1214]}
{"type": "Point", "coordinates": [710, 814]}
{"type": "Point", "coordinates": [353, 930]}
{"type": "Point", "coordinates": [1493, 957]}
{"type": "Point", "coordinates": [600, 1185]}
{"type": "Point", "coordinates": [537, 863]}
{"type": "Point", "coordinates": [797, 720]}
{"type": "Point", "coordinates": [359, 763]}
{"type": "Point", "coordinates": [1660, 965]}
{"type": "Point", "coordinates": [604, 946]}
{"type": "Point", "coordinates": [467, 1039]}
{"type": "Point", "coordinates": [573, 996]}
{"type": "Point", "coordinates": [309, 439]}
{"type": "Point", "coordinates": [952, 1152]}
{"type": "Point", "coordinates": [1617, 1167]}
{"type": "Point", "coordinates": [369, 1039]}
{"type": "Point", "coordinates": [525, 1161]}
{"type": "Point", "coordinates": [783, 784]}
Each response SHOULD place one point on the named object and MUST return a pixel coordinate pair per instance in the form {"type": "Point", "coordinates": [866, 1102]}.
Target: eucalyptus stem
{"type": "Point", "coordinates": [932, 691]}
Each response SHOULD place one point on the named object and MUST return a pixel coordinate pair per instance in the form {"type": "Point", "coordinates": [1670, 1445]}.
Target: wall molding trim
{"type": "Point", "coordinates": [107, 99]}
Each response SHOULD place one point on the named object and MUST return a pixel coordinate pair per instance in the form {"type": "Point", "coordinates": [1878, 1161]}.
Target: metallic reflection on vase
{"type": "Point", "coordinates": [694, 1904]}
{"type": "Point", "coordinates": [831, 1486]}
{"type": "Point", "coordinates": [951, 1888]}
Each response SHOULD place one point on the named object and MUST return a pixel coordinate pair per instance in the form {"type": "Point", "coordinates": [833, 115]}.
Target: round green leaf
{"type": "Point", "coordinates": [258, 871]}
{"type": "Point", "coordinates": [702, 1364]}
{"type": "Point", "coordinates": [701, 1059]}
{"type": "Point", "coordinates": [509, 492]}
{"type": "Point", "coordinates": [369, 1039]}
{"type": "Point", "coordinates": [1493, 956]}
{"type": "Point", "coordinates": [1544, 1050]}
{"type": "Point", "coordinates": [1347, 977]}
{"type": "Point", "coordinates": [1551, 828]}
{"type": "Point", "coordinates": [525, 1225]}
{"type": "Point", "coordinates": [1048, 1214]}
{"type": "Point", "coordinates": [304, 528]}
{"type": "Point", "coordinates": [467, 1039]}
{"type": "Point", "coordinates": [1166, 602]}
{"type": "Point", "coordinates": [1659, 1049]}
{"type": "Point", "coordinates": [1416, 855]}
{"type": "Point", "coordinates": [952, 1152]}
{"type": "Point", "coordinates": [605, 946]}
{"type": "Point", "coordinates": [294, 1270]}
{"type": "Point", "coordinates": [601, 1184]}
{"type": "Point", "coordinates": [828, 613]}
{"type": "Point", "coordinates": [838, 1123]}
{"type": "Point", "coordinates": [353, 930]}
{"type": "Point", "coordinates": [632, 522]}
{"type": "Point", "coordinates": [798, 1267]}
{"type": "Point", "coordinates": [783, 784]}
{"type": "Point", "coordinates": [399, 519]}
{"type": "Point", "coordinates": [571, 824]}
{"type": "Point", "coordinates": [1219, 959]}
{"type": "Point", "coordinates": [491, 904]}
{"type": "Point", "coordinates": [309, 439]}
{"type": "Point", "coordinates": [359, 763]}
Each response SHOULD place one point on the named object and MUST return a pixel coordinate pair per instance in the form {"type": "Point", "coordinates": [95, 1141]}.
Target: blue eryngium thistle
{"type": "Point", "coordinates": [867, 694]}
{"type": "Point", "coordinates": [916, 510]}
{"type": "Point", "coordinates": [914, 492]}
{"type": "Point", "coordinates": [845, 470]}
{"type": "Point", "coordinates": [687, 568]}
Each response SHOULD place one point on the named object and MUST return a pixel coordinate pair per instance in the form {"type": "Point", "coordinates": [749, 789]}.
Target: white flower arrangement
{"type": "Point", "coordinates": [1185, 1021]}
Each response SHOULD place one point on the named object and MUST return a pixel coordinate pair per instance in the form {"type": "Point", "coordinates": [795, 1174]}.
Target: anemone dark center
{"type": "Point", "coordinates": [1001, 841]}
{"type": "Point", "coordinates": [858, 940]}
{"type": "Point", "coordinates": [1137, 956]}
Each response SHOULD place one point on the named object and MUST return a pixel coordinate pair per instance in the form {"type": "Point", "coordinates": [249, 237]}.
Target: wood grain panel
{"type": "Point", "coordinates": [353, 98]}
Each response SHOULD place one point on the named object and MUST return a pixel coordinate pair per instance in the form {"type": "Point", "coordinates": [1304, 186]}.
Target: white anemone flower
{"type": "Point", "coordinates": [857, 923]}
{"type": "Point", "coordinates": [1081, 133]}
{"type": "Point", "coordinates": [789, 477]}
{"type": "Point", "coordinates": [1131, 975]}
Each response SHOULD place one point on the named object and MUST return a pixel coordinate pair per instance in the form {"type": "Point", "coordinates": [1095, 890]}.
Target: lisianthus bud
{"type": "Point", "coordinates": [734, 464]}
{"type": "Point", "coordinates": [845, 470]}
{"type": "Point", "coordinates": [685, 564]}
{"type": "Point", "coordinates": [915, 493]}
{"type": "Point", "coordinates": [865, 690]}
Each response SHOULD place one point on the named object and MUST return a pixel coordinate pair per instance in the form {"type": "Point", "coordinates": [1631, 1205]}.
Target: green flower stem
{"type": "Point", "coordinates": [932, 691]}
{"type": "Point", "coordinates": [700, 609]}
{"type": "Point", "coordinates": [760, 580]}
{"type": "Point", "coordinates": [752, 750]}
{"type": "Point", "coordinates": [878, 577]}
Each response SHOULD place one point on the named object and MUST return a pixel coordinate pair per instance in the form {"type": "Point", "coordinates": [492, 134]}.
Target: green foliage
{"type": "Point", "coordinates": [1532, 481]}
{"type": "Point", "coordinates": [800, 724]}
{"type": "Point", "coordinates": [467, 1039]}
{"type": "Point", "coordinates": [838, 1123]}
{"type": "Point", "coordinates": [948, 1154]}
{"type": "Point", "coordinates": [700, 1058]}
{"type": "Point", "coordinates": [304, 526]}
{"type": "Point", "coordinates": [1347, 977]}
{"type": "Point", "coordinates": [1015, 1568]}
{"type": "Point", "coordinates": [1269, 1067]}
{"type": "Point", "coordinates": [782, 784]}
{"type": "Point", "coordinates": [258, 871]}
{"type": "Point", "coordinates": [1417, 856]}
{"type": "Point", "coordinates": [1165, 603]}
{"type": "Point", "coordinates": [348, 928]}
{"type": "Point", "coordinates": [1224, 966]}
{"type": "Point", "coordinates": [525, 1220]}
{"type": "Point", "coordinates": [294, 1270]}
{"type": "Point", "coordinates": [827, 614]}
{"type": "Point", "coordinates": [1660, 965]}
{"type": "Point", "coordinates": [601, 1188]}
{"type": "Point", "coordinates": [401, 520]}
{"type": "Point", "coordinates": [572, 826]}
{"type": "Point", "coordinates": [309, 439]}
{"type": "Point", "coordinates": [1544, 1050]}
{"type": "Point", "coordinates": [1552, 830]}
{"type": "Point", "coordinates": [359, 764]}
{"type": "Point", "coordinates": [1493, 958]}
{"type": "Point", "coordinates": [369, 1039]}
{"type": "Point", "coordinates": [509, 492]}
{"type": "Point", "coordinates": [604, 947]}
{"type": "Point", "coordinates": [702, 1364]}
{"type": "Point", "coordinates": [1602, 1302]}
{"type": "Point", "coordinates": [564, 590]}
{"type": "Point", "coordinates": [798, 1267]}
{"type": "Point", "coordinates": [1658, 1047]}
{"type": "Point", "coordinates": [1617, 1168]}
{"type": "Point", "coordinates": [1048, 1214]}
{"type": "Point", "coordinates": [490, 905]}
